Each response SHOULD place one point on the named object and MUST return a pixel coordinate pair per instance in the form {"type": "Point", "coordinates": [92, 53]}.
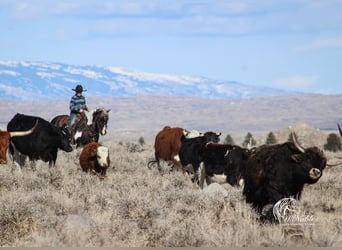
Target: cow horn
{"type": "Point", "coordinates": [296, 143]}
{"type": "Point", "coordinates": [339, 129]}
{"type": "Point", "coordinates": [23, 133]}
{"type": "Point", "coordinates": [333, 165]}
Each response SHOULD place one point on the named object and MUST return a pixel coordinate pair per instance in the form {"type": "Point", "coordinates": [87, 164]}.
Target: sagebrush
{"type": "Point", "coordinates": [139, 207]}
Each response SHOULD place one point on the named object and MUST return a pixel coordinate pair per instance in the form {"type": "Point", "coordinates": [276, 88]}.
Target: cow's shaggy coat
{"type": "Point", "coordinates": [278, 171]}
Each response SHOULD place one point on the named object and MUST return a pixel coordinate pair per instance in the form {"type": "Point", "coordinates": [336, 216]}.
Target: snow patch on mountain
{"type": "Point", "coordinates": [25, 81]}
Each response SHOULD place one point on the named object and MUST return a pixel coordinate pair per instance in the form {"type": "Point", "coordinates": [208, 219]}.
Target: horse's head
{"type": "Point", "coordinates": [100, 120]}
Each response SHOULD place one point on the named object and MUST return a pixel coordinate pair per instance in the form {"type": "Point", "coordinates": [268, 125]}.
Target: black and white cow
{"type": "Point", "coordinates": [223, 161]}
{"type": "Point", "coordinates": [191, 150]}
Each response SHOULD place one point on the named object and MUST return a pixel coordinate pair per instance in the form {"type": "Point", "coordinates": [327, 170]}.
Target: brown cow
{"type": "Point", "coordinates": [94, 159]}
{"type": "Point", "coordinates": [5, 138]}
{"type": "Point", "coordinates": [167, 144]}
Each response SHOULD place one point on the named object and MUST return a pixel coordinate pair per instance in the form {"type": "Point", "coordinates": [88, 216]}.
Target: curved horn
{"type": "Point", "coordinates": [333, 165]}
{"type": "Point", "coordinates": [23, 133]}
{"type": "Point", "coordinates": [339, 129]}
{"type": "Point", "coordinates": [296, 143]}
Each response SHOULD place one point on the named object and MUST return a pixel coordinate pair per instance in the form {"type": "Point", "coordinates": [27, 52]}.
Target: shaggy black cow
{"type": "Point", "coordinates": [42, 143]}
{"type": "Point", "coordinates": [225, 160]}
{"type": "Point", "coordinates": [191, 150]}
{"type": "Point", "coordinates": [278, 171]}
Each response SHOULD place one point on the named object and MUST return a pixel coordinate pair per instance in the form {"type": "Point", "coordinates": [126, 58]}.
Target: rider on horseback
{"type": "Point", "coordinates": [77, 106]}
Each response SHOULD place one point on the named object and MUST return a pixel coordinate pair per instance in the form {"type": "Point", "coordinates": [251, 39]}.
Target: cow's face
{"type": "Point", "coordinates": [212, 137]}
{"type": "Point", "coordinates": [192, 133]}
{"type": "Point", "coordinates": [102, 155]}
{"type": "Point", "coordinates": [236, 160]}
{"type": "Point", "coordinates": [311, 164]}
{"type": "Point", "coordinates": [64, 138]}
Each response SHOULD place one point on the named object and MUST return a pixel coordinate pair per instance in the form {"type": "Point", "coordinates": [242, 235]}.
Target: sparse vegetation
{"type": "Point", "coordinates": [249, 140]}
{"type": "Point", "coordinates": [137, 207]}
{"type": "Point", "coordinates": [141, 141]}
{"type": "Point", "coordinates": [333, 143]}
{"type": "Point", "coordinates": [271, 139]}
{"type": "Point", "coordinates": [229, 140]}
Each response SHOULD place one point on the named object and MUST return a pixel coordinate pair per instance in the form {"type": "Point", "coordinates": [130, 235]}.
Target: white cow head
{"type": "Point", "coordinates": [102, 154]}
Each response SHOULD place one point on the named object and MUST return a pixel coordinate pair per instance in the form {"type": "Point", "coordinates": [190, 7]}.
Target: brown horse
{"type": "Point", "coordinates": [61, 120]}
{"type": "Point", "coordinates": [87, 127]}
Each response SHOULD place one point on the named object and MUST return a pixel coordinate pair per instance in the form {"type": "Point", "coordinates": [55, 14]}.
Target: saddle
{"type": "Point", "coordinates": [81, 124]}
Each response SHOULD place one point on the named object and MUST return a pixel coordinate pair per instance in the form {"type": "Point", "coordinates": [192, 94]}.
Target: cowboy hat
{"type": "Point", "coordinates": [79, 89]}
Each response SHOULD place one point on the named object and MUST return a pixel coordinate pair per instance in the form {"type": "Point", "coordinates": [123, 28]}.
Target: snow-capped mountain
{"type": "Point", "coordinates": [27, 81]}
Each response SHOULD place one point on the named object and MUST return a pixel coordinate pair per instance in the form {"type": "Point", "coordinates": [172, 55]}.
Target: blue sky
{"type": "Point", "coordinates": [288, 44]}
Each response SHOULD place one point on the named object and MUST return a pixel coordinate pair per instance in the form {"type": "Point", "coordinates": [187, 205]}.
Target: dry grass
{"type": "Point", "coordinates": [138, 207]}
{"type": "Point", "coordinates": [135, 206]}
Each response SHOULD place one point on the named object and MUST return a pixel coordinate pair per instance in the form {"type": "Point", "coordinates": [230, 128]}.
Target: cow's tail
{"type": "Point", "coordinates": [152, 162]}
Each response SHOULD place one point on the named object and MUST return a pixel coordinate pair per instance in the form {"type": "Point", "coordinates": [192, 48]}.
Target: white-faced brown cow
{"type": "Point", "coordinates": [5, 137]}
{"type": "Point", "coordinates": [94, 159]}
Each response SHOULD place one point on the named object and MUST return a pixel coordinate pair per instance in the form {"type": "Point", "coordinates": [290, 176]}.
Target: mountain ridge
{"type": "Point", "coordinates": [25, 81]}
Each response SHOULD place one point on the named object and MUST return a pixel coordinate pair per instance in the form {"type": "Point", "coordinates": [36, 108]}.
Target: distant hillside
{"type": "Point", "coordinates": [131, 117]}
{"type": "Point", "coordinates": [27, 81]}
{"type": "Point", "coordinates": [307, 136]}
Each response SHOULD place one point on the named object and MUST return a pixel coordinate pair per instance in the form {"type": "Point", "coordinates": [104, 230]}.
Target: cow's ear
{"type": "Point", "coordinates": [185, 132]}
{"type": "Point", "coordinates": [296, 157]}
{"type": "Point", "coordinates": [92, 153]}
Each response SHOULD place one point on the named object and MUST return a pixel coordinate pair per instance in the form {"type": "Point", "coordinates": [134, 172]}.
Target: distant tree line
{"type": "Point", "coordinates": [333, 143]}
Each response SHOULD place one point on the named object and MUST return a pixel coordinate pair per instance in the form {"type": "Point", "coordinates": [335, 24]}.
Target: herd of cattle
{"type": "Point", "coordinates": [39, 139]}
{"type": "Point", "coordinates": [268, 173]}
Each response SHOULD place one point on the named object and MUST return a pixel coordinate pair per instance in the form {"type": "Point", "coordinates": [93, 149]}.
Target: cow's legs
{"type": "Point", "coordinates": [208, 180]}
{"type": "Point", "coordinates": [201, 175]}
{"type": "Point", "coordinates": [176, 161]}
{"type": "Point", "coordinates": [267, 214]}
{"type": "Point", "coordinates": [17, 156]}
